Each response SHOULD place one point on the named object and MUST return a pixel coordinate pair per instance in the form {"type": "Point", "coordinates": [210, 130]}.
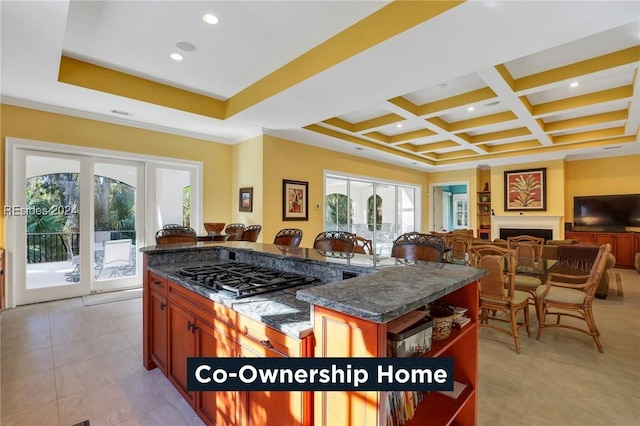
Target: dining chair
{"type": "Point", "coordinates": [362, 245]}
{"type": "Point", "coordinates": [565, 295]}
{"type": "Point", "coordinates": [117, 256]}
{"type": "Point", "coordinates": [288, 237]}
{"type": "Point", "coordinates": [250, 233]}
{"type": "Point", "coordinates": [528, 254]}
{"type": "Point", "coordinates": [235, 231]}
{"type": "Point", "coordinates": [458, 246]}
{"type": "Point", "coordinates": [338, 241]}
{"type": "Point", "coordinates": [498, 292]}
{"type": "Point", "coordinates": [418, 246]}
{"type": "Point", "coordinates": [173, 233]}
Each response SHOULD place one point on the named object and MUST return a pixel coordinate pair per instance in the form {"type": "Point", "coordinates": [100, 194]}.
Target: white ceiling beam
{"type": "Point", "coordinates": [498, 84]}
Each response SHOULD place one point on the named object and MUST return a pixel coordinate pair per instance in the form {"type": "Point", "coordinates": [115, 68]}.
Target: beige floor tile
{"type": "Point", "coordinates": [26, 342]}
{"type": "Point", "coordinates": [19, 326]}
{"type": "Point", "coordinates": [40, 415]}
{"type": "Point", "coordinates": [95, 372]}
{"type": "Point", "coordinates": [125, 307]}
{"type": "Point", "coordinates": [129, 322]}
{"type": "Point", "coordinates": [26, 363]}
{"type": "Point", "coordinates": [78, 316]}
{"type": "Point", "coordinates": [89, 348]}
{"type": "Point", "coordinates": [27, 391]}
{"type": "Point", "coordinates": [168, 413]}
{"type": "Point", "coordinates": [80, 331]}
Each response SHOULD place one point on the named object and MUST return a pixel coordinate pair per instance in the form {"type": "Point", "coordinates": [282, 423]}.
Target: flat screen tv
{"type": "Point", "coordinates": [607, 210]}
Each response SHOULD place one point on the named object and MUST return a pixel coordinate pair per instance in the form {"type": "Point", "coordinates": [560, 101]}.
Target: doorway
{"type": "Point", "coordinates": [77, 217]}
{"type": "Point", "coordinates": [449, 206]}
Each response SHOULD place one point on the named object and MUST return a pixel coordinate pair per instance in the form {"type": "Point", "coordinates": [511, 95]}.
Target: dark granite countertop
{"type": "Point", "coordinates": [383, 289]}
{"type": "Point", "coordinates": [391, 292]}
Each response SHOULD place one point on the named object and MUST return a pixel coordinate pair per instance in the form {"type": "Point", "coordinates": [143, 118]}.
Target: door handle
{"type": "Point", "coordinates": [162, 306]}
{"type": "Point", "coordinates": [189, 325]}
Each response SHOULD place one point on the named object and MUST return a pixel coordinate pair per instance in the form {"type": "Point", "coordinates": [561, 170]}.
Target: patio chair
{"type": "Point", "coordinates": [117, 256]}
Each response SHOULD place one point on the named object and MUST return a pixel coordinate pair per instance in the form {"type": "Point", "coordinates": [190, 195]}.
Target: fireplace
{"type": "Point", "coordinates": [505, 233]}
{"type": "Point", "coordinates": [525, 224]}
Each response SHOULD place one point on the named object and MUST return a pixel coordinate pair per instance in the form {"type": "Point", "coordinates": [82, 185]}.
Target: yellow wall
{"type": "Point", "coordinates": [468, 175]}
{"type": "Point", "coordinates": [604, 176]}
{"type": "Point", "coordinates": [247, 173]}
{"type": "Point", "coordinates": [555, 187]}
{"type": "Point", "coordinates": [284, 159]}
{"type": "Point", "coordinates": [48, 127]}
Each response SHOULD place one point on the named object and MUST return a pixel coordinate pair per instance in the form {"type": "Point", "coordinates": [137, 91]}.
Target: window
{"type": "Point", "coordinates": [379, 211]}
{"type": "Point", "coordinates": [460, 211]}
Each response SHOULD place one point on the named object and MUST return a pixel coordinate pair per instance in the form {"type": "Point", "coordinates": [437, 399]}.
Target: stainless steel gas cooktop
{"type": "Point", "coordinates": [242, 280]}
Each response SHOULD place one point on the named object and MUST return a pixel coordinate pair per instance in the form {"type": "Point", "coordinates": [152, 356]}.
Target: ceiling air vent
{"type": "Point", "coordinates": [613, 147]}
{"type": "Point", "coordinates": [125, 113]}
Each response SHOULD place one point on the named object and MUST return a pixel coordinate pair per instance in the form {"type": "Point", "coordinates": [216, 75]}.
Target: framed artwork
{"type": "Point", "coordinates": [295, 200]}
{"type": "Point", "coordinates": [246, 199]}
{"type": "Point", "coordinates": [525, 190]}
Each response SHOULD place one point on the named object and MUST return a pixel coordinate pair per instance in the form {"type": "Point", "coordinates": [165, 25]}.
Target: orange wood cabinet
{"type": "Point", "coordinates": [179, 324]}
{"type": "Point", "coordinates": [340, 335]}
{"type": "Point", "coordinates": [263, 408]}
{"type": "Point", "coordinates": [623, 245]}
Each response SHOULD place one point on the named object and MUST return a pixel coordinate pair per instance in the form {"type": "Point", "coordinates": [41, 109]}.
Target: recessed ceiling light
{"type": "Point", "coordinates": [210, 19]}
{"type": "Point", "coordinates": [186, 46]}
{"type": "Point", "coordinates": [574, 84]}
{"type": "Point", "coordinates": [470, 108]}
{"type": "Point", "coordinates": [441, 86]}
{"type": "Point", "coordinates": [176, 56]}
{"type": "Point", "coordinates": [399, 125]}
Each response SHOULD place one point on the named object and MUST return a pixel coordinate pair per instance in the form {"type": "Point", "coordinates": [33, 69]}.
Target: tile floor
{"type": "Point", "coordinates": [63, 363]}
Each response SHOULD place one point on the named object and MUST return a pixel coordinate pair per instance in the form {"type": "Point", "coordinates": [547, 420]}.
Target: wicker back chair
{"type": "Point", "coordinates": [173, 233]}
{"type": "Point", "coordinates": [251, 232]}
{"type": "Point", "coordinates": [418, 246]}
{"type": "Point", "coordinates": [362, 245]}
{"type": "Point", "coordinates": [338, 241]}
{"type": "Point", "coordinates": [288, 237]}
{"type": "Point", "coordinates": [528, 252]}
{"type": "Point", "coordinates": [497, 290]}
{"type": "Point", "coordinates": [235, 230]}
{"type": "Point", "coordinates": [459, 249]}
{"type": "Point", "coordinates": [572, 295]}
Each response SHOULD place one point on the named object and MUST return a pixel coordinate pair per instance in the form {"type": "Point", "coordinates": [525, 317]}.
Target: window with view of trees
{"type": "Point", "coordinates": [53, 202]}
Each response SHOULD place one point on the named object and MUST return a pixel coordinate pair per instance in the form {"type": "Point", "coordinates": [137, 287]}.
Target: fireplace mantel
{"type": "Point", "coordinates": [526, 221]}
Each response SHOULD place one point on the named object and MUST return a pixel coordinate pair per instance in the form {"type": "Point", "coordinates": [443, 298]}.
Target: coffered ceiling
{"type": "Point", "coordinates": [426, 85]}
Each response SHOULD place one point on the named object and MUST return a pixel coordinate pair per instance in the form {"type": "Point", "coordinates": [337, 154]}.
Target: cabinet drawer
{"type": "Point", "coordinates": [263, 338]}
{"type": "Point", "coordinates": [214, 314]}
{"type": "Point", "coordinates": [157, 283]}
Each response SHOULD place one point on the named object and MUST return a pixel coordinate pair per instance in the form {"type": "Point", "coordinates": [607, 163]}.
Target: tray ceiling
{"type": "Point", "coordinates": [427, 85]}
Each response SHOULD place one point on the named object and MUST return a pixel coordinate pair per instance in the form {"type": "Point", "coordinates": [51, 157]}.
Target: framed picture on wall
{"type": "Point", "coordinates": [295, 200]}
{"type": "Point", "coordinates": [246, 199]}
{"type": "Point", "coordinates": [525, 190]}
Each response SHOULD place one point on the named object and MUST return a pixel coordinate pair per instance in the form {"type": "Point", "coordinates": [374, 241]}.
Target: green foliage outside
{"type": "Point", "coordinates": [338, 215]}
{"type": "Point", "coordinates": [378, 212]}
{"type": "Point", "coordinates": [53, 205]}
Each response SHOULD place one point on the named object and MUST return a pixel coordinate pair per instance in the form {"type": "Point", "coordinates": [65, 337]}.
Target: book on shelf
{"type": "Point", "coordinates": [405, 322]}
{"type": "Point", "coordinates": [458, 388]}
{"type": "Point", "coordinates": [462, 321]}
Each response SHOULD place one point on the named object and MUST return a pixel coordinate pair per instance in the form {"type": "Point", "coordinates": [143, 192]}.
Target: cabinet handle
{"type": "Point", "coordinates": [194, 328]}
{"type": "Point", "coordinates": [156, 282]}
{"type": "Point", "coordinates": [189, 325]}
{"type": "Point", "coordinates": [162, 306]}
{"type": "Point", "coordinates": [266, 343]}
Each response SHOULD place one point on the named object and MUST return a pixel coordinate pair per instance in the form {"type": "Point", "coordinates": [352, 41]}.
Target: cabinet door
{"type": "Point", "coordinates": [182, 345]}
{"type": "Point", "coordinates": [264, 408]}
{"type": "Point", "coordinates": [623, 251]}
{"type": "Point", "coordinates": [219, 408]}
{"type": "Point", "coordinates": [159, 331]}
{"type": "Point", "coordinates": [584, 237]}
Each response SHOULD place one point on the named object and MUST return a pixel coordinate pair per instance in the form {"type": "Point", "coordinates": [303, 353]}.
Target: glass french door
{"type": "Point", "coordinates": [72, 218]}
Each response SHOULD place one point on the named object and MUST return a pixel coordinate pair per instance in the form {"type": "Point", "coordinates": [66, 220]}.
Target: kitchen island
{"type": "Point", "coordinates": [340, 311]}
